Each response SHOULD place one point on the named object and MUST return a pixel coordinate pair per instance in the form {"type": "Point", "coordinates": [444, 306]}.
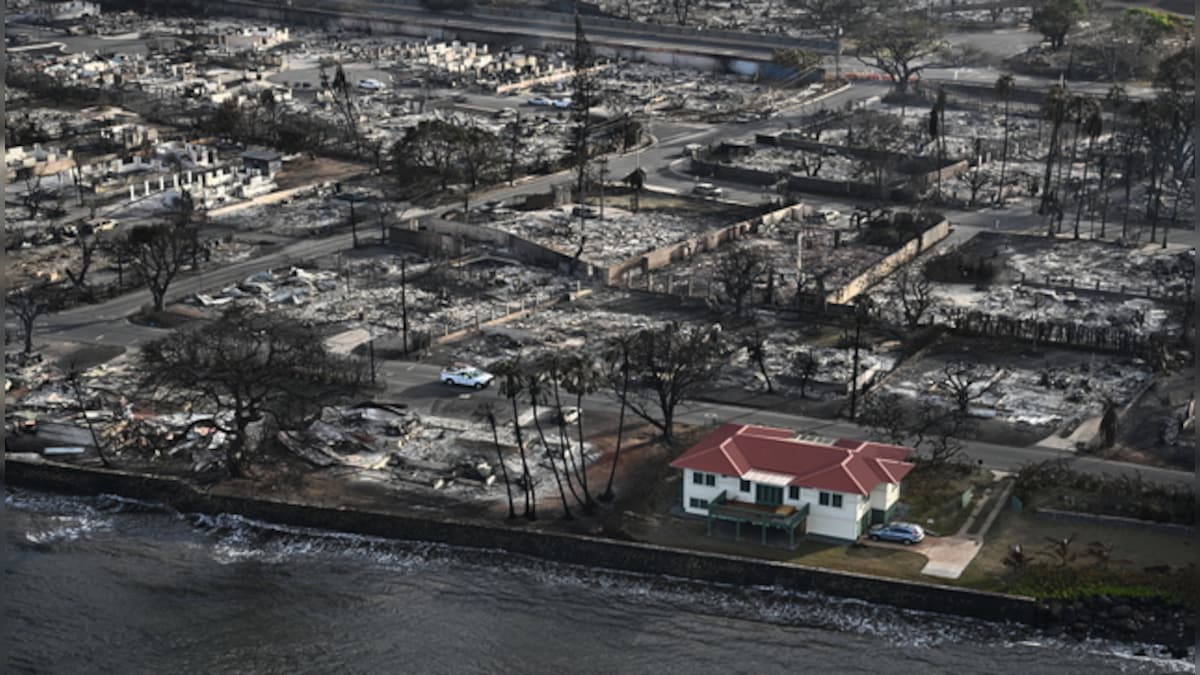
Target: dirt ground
{"type": "Point", "coordinates": [1149, 432]}
{"type": "Point", "coordinates": [306, 171]}
{"type": "Point", "coordinates": [1037, 390]}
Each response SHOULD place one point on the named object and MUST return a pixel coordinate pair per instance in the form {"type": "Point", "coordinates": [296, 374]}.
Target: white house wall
{"type": "Point", "coordinates": [885, 495]}
{"type": "Point", "coordinates": [826, 521]}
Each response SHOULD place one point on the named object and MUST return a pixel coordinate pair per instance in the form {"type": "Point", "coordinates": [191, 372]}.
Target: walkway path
{"type": "Point", "coordinates": [948, 557]}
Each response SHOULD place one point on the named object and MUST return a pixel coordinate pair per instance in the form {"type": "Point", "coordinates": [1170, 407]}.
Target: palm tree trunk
{"type": "Point", "coordinates": [607, 496]}
{"type": "Point", "coordinates": [590, 504]}
{"type": "Point", "coordinates": [1003, 157]}
{"type": "Point", "coordinates": [512, 511]}
{"type": "Point", "coordinates": [565, 440]}
{"type": "Point", "coordinates": [530, 504]}
{"type": "Point", "coordinates": [567, 515]}
{"type": "Point", "coordinates": [1083, 187]}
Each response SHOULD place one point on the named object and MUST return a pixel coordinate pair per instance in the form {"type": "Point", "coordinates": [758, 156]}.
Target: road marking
{"type": "Point", "coordinates": [99, 337]}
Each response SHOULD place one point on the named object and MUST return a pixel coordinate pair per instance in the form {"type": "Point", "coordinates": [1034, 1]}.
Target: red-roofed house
{"type": "Point", "coordinates": [769, 477]}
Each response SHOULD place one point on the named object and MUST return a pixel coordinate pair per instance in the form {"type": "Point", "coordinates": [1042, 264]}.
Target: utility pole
{"type": "Point", "coordinates": [603, 176]}
{"type": "Point", "coordinates": [854, 371]}
{"type": "Point", "coordinates": [404, 305]}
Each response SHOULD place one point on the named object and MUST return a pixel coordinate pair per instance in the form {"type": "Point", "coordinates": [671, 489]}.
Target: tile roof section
{"type": "Point", "coordinates": [847, 466]}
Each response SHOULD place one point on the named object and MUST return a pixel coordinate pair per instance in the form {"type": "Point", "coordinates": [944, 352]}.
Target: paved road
{"type": "Point", "coordinates": [417, 384]}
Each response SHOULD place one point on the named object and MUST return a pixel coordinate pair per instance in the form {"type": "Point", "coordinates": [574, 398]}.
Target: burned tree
{"type": "Point", "coordinates": [804, 367]}
{"type": "Point", "coordinates": [671, 365]}
{"type": "Point", "coordinates": [899, 44]}
{"type": "Point", "coordinates": [754, 341]}
{"type": "Point", "coordinates": [77, 273]}
{"type": "Point", "coordinates": [738, 270]}
{"type": "Point", "coordinates": [28, 304]}
{"type": "Point", "coordinates": [835, 19]}
{"type": "Point", "coordinates": [341, 94]}
{"type": "Point", "coordinates": [246, 367]}
{"type": "Point", "coordinates": [158, 253]}
{"type": "Point", "coordinates": [923, 425]}
{"type": "Point", "coordinates": [914, 293]}
{"type": "Point", "coordinates": [965, 383]}
{"type": "Point", "coordinates": [1055, 18]}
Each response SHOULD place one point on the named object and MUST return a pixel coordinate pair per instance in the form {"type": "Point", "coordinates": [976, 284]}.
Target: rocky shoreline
{"type": "Point", "coordinates": [1138, 620]}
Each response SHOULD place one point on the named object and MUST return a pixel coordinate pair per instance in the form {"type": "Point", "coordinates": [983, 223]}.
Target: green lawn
{"type": "Point", "coordinates": [1134, 551]}
{"type": "Point", "coordinates": [934, 495]}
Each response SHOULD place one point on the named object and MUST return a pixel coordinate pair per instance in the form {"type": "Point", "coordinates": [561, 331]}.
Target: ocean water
{"type": "Point", "coordinates": [106, 584]}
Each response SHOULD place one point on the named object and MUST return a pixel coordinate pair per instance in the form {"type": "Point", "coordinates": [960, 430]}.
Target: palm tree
{"type": "Point", "coordinates": [1092, 126]}
{"type": "Point", "coordinates": [512, 385]}
{"type": "Point", "coordinates": [1054, 108]}
{"type": "Point", "coordinates": [535, 387]}
{"type": "Point", "coordinates": [555, 368]}
{"type": "Point", "coordinates": [582, 379]}
{"type": "Point", "coordinates": [489, 412]}
{"type": "Point", "coordinates": [1004, 89]}
{"type": "Point", "coordinates": [617, 357]}
{"type": "Point", "coordinates": [1080, 108]}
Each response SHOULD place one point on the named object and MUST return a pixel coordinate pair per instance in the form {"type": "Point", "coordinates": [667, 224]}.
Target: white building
{"type": "Point", "coordinates": [253, 38]}
{"type": "Point", "coordinates": [768, 477]}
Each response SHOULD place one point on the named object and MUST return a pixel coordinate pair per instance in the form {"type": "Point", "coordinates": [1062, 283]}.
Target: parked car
{"type": "Point", "coordinates": [370, 84]}
{"type": "Point", "coordinates": [707, 190]}
{"type": "Point", "coordinates": [540, 100]}
{"type": "Point", "coordinates": [585, 212]}
{"type": "Point", "coordinates": [562, 103]}
{"type": "Point", "coordinates": [459, 98]}
{"type": "Point", "coordinates": [465, 375]}
{"type": "Point", "coordinates": [905, 533]}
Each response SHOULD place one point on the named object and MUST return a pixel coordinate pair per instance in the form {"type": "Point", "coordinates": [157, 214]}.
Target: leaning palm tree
{"type": "Point", "coordinates": [582, 379]}
{"type": "Point", "coordinates": [535, 388]}
{"type": "Point", "coordinates": [1005, 84]}
{"type": "Point", "coordinates": [488, 411]}
{"type": "Point", "coordinates": [554, 367]}
{"type": "Point", "coordinates": [512, 386]}
{"type": "Point", "coordinates": [1093, 126]}
{"type": "Point", "coordinates": [616, 357]}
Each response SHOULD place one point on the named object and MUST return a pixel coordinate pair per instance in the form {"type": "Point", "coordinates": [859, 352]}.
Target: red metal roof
{"type": "Point", "coordinates": [849, 466]}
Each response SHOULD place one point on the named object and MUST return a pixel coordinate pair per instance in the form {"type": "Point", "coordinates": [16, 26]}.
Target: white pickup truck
{"type": "Point", "coordinates": [466, 376]}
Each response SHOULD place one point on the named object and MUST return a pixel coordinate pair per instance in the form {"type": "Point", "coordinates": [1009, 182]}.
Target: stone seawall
{"type": "Point", "coordinates": [568, 548]}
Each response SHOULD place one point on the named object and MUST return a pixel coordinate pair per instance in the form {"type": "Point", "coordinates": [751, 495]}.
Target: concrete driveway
{"type": "Point", "coordinates": [946, 557]}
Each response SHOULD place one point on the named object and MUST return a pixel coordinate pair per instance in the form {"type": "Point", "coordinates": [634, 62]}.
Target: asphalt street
{"type": "Point", "coordinates": [417, 384]}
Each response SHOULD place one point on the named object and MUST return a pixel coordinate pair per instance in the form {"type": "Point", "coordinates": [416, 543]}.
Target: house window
{"type": "Point", "coordinates": [698, 503]}
{"type": "Point", "coordinates": [710, 479]}
{"type": "Point", "coordinates": [794, 492]}
{"type": "Point", "coordinates": [830, 499]}
{"type": "Point", "coordinates": [745, 486]}
{"type": "Point", "coordinates": [697, 478]}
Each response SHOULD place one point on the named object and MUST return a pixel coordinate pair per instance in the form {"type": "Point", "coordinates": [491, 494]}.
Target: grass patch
{"type": "Point", "coordinates": [933, 496]}
{"type": "Point", "coordinates": [1143, 563]}
{"type": "Point", "coordinates": [690, 534]}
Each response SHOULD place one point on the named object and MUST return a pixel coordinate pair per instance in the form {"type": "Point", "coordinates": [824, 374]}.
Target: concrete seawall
{"type": "Point", "coordinates": [568, 548]}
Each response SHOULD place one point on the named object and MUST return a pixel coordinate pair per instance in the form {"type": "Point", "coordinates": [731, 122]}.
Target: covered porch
{"type": "Point", "coordinates": [782, 517]}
